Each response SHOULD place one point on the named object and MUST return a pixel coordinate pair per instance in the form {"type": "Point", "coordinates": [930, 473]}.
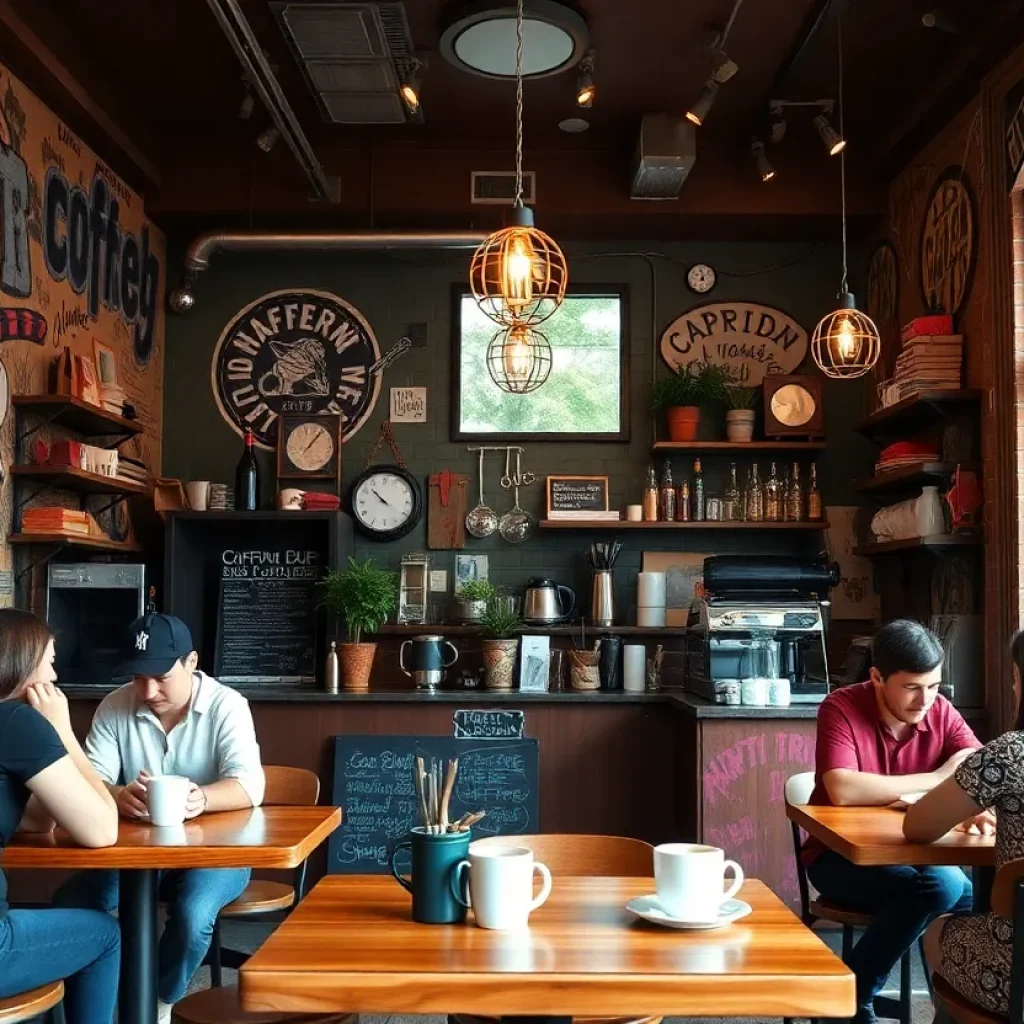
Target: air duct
{"type": "Point", "coordinates": [201, 248]}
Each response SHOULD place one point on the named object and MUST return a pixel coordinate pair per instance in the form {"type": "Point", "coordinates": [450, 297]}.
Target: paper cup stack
{"type": "Point", "coordinates": [650, 599]}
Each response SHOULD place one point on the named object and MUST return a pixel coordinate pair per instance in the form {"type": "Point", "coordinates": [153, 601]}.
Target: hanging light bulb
{"type": "Point", "coordinates": [518, 275]}
{"type": "Point", "coordinates": [846, 343]}
{"type": "Point", "coordinates": [519, 359]}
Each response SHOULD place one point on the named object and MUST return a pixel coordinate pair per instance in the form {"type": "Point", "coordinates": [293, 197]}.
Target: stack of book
{"type": "Point", "coordinates": [132, 469]}
{"type": "Point", "coordinates": [53, 519]}
{"type": "Point", "coordinates": [584, 515]}
{"type": "Point", "coordinates": [931, 359]}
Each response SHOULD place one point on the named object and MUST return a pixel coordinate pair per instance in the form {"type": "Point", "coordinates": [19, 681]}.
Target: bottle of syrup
{"type": "Point", "coordinates": [247, 477]}
{"type": "Point", "coordinates": [667, 495]}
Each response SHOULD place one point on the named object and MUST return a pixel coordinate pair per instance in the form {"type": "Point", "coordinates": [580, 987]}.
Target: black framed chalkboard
{"type": "Point", "coordinates": [373, 785]}
{"type": "Point", "coordinates": [577, 494]}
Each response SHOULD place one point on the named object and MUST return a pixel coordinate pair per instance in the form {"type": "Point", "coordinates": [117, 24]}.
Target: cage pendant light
{"type": "Point", "coordinates": [518, 275]}
{"type": "Point", "coordinates": [519, 359]}
{"type": "Point", "coordinates": [845, 344]}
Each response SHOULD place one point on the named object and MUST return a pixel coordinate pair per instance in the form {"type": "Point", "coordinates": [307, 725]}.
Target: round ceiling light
{"type": "Point", "coordinates": [480, 38]}
{"type": "Point", "coordinates": [574, 125]}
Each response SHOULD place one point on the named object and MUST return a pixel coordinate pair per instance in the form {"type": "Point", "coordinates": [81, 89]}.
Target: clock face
{"type": "Point", "coordinates": [384, 501]}
{"type": "Point", "coordinates": [310, 447]}
{"type": "Point", "coordinates": [701, 278]}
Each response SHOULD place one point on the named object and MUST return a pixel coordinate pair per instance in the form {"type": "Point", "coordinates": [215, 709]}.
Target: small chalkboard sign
{"type": "Point", "coordinates": [577, 494]}
{"type": "Point", "coordinates": [373, 785]}
{"type": "Point", "coordinates": [488, 724]}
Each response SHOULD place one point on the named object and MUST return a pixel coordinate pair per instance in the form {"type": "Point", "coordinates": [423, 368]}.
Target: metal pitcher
{"type": "Point", "coordinates": [427, 661]}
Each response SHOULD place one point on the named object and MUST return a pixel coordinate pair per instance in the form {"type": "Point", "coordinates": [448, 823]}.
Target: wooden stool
{"type": "Point", "coordinates": [220, 1006]}
{"type": "Point", "coordinates": [961, 1009]}
{"type": "Point", "coordinates": [27, 1005]}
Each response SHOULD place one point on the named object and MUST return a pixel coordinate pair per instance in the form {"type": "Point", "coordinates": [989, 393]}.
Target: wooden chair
{"type": "Point", "coordinates": [286, 787]}
{"type": "Point", "coordinates": [220, 1006]}
{"type": "Point", "coordinates": [27, 1005]}
{"type": "Point", "coordinates": [798, 791]}
{"type": "Point", "coordinates": [579, 856]}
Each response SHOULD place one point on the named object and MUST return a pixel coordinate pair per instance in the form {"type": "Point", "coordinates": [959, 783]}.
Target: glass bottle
{"type": "Point", "coordinates": [755, 497]}
{"type": "Point", "coordinates": [683, 502]}
{"type": "Point", "coordinates": [651, 496]}
{"type": "Point", "coordinates": [815, 506]}
{"type": "Point", "coordinates": [773, 497]}
{"type": "Point", "coordinates": [732, 499]}
{"type": "Point", "coordinates": [247, 477]}
{"type": "Point", "coordinates": [667, 497]}
{"type": "Point", "coordinates": [796, 507]}
{"type": "Point", "coordinates": [698, 492]}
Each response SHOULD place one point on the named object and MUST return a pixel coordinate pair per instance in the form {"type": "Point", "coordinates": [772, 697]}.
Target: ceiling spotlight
{"type": "Point", "coordinates": [585, 90]}
{"type": "Point", "coordinates": [764, 168]}
{"type": "Point", "coordinates": [245, 108]}
{"type": "Point", "coordinates": [778, 123]}
{"type": "Point", "coordinates": [409, 86]}
{"type": "Point", "coordinates": [940, 19]}
{"type": "Point", "coordinates": [722, 66]}
{"type": "Point", "coordinates": [834, 142]}
{"type": "Point", "coordinates": [267, 139]}
{"type": "Point", "coordinates": [699, 111]}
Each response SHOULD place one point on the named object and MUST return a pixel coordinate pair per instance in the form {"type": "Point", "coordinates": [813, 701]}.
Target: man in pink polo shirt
{"type": "Point", "coordinates": [877, 740]}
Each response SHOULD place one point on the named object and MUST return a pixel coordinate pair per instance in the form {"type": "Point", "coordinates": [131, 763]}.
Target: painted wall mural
{"type": "Point", "coordinates": [80, 264]}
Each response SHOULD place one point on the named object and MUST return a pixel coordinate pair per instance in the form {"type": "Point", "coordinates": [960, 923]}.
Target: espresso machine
{"type": "Point", "coordinates": [755, 600]}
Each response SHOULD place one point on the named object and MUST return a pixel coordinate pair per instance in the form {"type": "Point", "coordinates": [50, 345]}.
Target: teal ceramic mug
{"type": "Point", "coordinates": [434, 859]}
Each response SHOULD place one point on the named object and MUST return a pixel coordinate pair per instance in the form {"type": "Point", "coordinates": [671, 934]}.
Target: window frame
{"type": "Point", "coordinates": [618, 291]}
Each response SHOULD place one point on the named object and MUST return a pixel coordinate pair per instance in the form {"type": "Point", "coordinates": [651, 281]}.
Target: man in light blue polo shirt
{"type": "Point", "coordinates": [173, 720]}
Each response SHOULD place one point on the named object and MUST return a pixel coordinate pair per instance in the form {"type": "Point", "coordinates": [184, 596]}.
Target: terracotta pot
{"type": "Point", "coordinates": [499, 663]}
{"type": "Point", "coordinates": [739, 424]}
{"type": "Point", "coordinates": [682, 421]}
{"type": "Point", "coordinates": [355, 662]}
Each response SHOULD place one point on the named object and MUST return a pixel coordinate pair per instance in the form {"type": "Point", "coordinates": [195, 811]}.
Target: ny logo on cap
{"type": "Point", "coordinates": [141, 640]}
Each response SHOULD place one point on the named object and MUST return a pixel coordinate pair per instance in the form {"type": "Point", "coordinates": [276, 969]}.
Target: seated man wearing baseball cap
{"type": "Point", "coordinates": [173, 720]}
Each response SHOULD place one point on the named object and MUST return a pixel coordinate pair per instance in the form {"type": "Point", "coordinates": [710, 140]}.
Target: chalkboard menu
{"type": "Point", "coordinates": [373, 785]}
{"type": "Point", "coordinates": [577, 494]}
{"type": "Point", "coordinates": [488, 724]}
{"type": "Point", "coordinates": [266, 621]}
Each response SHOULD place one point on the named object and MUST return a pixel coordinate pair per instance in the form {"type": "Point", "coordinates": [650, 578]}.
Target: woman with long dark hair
{"type": "Point", "coordinates": [973, 951]}
{"type": "Point", "coordinates": [46, 780]}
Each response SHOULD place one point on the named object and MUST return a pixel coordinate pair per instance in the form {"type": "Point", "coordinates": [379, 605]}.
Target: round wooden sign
{"type": "Point", "coordinates": [948, 243]}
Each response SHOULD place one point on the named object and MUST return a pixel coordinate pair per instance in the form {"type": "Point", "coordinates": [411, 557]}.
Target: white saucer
{"type": "Point", "coordinates": [649, 909]}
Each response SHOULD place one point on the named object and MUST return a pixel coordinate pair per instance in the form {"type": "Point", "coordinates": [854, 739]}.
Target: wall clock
{"type": "Point", "coordinates": [387, 502]}
{"type": "Point", "coordinates": [701, 278]}
{"type": "Point", "coordinates": [792, 405]}
{"type": "Point", "coordinates": [309, 447]}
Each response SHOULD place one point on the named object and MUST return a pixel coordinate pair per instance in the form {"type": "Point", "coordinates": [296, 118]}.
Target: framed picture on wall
{"type": "Point", "coordinates": [106, 364]}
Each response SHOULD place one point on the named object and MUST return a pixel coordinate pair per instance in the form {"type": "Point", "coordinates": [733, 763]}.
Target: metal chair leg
{"type": "Point", "coordinates": [216, 965]}
{"type": "Point", "coordinates": [924, 964]}
{"type": "Point", "coordinates": [906, 985]}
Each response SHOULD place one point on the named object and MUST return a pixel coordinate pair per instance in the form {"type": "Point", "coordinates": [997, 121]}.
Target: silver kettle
{"type": "Point", "coordinates": [545, 602]}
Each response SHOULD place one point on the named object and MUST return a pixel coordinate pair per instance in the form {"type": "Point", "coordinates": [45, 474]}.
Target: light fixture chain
{"type": "Point", "coordinates": [842, 154]}
{"type": "Point", "coordinates": [519, 103]}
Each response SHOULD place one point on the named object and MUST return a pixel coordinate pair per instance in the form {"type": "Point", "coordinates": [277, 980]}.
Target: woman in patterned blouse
{"type": "Point", "coordinates": [973, 951]}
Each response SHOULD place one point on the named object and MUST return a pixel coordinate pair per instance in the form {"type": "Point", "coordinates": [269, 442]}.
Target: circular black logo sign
{"type": "Point", "coordinates": [295, 352]}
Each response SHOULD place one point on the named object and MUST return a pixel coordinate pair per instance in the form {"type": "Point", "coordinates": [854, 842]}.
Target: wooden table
{"type": "Point", "coordinates": [351, 945]}
{"type": "Point", "coordinates": [266, 837]}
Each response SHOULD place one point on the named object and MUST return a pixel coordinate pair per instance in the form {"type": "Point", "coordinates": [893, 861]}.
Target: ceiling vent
{"type": "Point", "coordinates": [351, 55]}
{"type": "Point", "coordinates": [498, 188]}
{"type": "Point", "coordinates": [665, 153]}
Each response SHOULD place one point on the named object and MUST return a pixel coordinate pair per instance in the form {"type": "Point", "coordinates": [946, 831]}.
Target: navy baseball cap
{"type": "Point", "coordinates": [153, 644]}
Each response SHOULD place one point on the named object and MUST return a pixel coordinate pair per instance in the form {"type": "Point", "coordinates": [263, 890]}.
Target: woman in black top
{"type": "Point", "coordinates": [46, 780]}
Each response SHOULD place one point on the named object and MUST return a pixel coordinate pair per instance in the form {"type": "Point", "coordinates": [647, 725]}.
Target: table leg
{"type": "Point", "coordinates": [138, 908]}
{"type": "Point", "coordinates": [983, 879]}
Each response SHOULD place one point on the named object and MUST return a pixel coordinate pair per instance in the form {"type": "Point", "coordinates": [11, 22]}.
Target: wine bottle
{"type": "Point", "coordinates": [755, 497]}
{"type": "Point", "coordinates": [247, 477]}
{"type": "Point", "coordinates": [796, 507]}
{"type": "Point", "coordinates": [815, 506]}
{"type": "Point", "coordinates": [773, 497]}
{"type": "Point", "coordinates": [667, 497]}
{"type": "Point", "coordinates": [698, 492]}
{"type": "Point", "coordinates": [733, 499]}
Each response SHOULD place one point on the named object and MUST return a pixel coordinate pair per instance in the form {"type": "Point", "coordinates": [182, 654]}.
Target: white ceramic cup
{"type": "Point", "coordinates": [501, 885]}
{"type": "Point", "coordinates": [166, 796]}
{"type": "Point", "coordinates": [198, 492]}
{"type": "Point", "coordinates": [634, 513]}
{"type": "Point", "coordinates": [634, 666]}
{"type": "Point", "coordinates": [689, 879]}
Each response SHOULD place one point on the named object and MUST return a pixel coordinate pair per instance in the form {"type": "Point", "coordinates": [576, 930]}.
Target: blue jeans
{"type": "Point", "coordinates": [902, 901]}
{"type": "Point", "coordinates": [194, 898]}
{"type": "Point", "coordinates": [80, 946]}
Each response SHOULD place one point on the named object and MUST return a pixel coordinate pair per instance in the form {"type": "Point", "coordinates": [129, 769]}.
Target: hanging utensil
{"type": "Point", "coordinates": [516, 524]}
{"type": "Point", "coordinates": [481, 521]}
{"type": "Point", "coordinates": [506, 480]}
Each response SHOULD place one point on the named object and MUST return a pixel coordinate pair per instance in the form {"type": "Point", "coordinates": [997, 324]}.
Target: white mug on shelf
{"type": "Point", "coordinates": [689, 879]}
{"type": "Point", "coordinates": [198, 492]}
{"type": "Point", "coordinates": [166, 796]}
{"type": "Point", "coordinates": [500, 890]}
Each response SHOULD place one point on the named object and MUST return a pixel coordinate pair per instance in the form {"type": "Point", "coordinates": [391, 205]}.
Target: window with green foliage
{"type": "Point", "coordinates": [586, 393]}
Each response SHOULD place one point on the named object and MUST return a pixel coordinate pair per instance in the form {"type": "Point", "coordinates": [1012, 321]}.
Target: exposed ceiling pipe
{"type": "Point", "coordinates": [201, 248]}
{"type": "Point", "coordinates": [258, 71]}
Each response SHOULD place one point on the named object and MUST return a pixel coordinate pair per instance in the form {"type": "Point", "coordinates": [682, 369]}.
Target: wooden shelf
{"type": "Point", "coordinates": [70, 478]}
{"type": "Point", "coordinates": [894, 547]}
{"type": "Point", "coordinates": [622, 524]}
{"type": "Point", "coordinates": [75, 540]}
{"type": "Point", "coordinates": [898, 481]}
{"type": "Point", "coordinates": [81, 417]}
{"type": "Point", "coordinates": [917, 412]}
{"type": "Point", "coordinates": [572, 629]}
{"type": "Point", "coordinates": [736, 447]}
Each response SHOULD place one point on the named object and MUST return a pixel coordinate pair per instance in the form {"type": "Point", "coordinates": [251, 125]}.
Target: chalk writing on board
{"type": "Point", "coordinates": [490, 724]}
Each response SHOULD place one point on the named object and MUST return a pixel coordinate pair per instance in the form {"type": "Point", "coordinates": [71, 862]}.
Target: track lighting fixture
{"type": "Point", "coordinates": [723, 67]}
{"type": "Point", "coordinates": [409, 84]}
{"type": "Point", "coordinates": [699, 111]}
{"type": "Point", "coordinates": [764, 168]}
{"type": "Point", "coordinates": [267, 139]}
{"type": "Point", "coordinates": [778, 123]}
{"type": "Point", "coordinates": [585, 90]}
{"type": "Point", "coordinates": [834, 142]}
{"type": "Point", "coordinates": [940, 18]}
{"type": "Point", "coordinates": [245, 108]}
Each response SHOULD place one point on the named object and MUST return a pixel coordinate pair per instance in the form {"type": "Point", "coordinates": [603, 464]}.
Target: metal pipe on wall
{"type": "Point", "coordinates": [201, 248]}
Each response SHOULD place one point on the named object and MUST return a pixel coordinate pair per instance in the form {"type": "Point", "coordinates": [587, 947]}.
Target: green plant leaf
{"type": "Point", "coordinates": [363, 595]}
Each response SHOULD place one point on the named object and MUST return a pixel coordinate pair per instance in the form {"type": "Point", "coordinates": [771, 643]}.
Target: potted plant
{"type": "Point", "coordinates": [471, 600]}
{"type": "Point", "coordinates": [363, 595]}
{"type": "Point", "coordinates": [683, 394]}
{"type": "Point", "coordinates": [500, 623]}
{"type": "Point", "coordinates": [739, 420]}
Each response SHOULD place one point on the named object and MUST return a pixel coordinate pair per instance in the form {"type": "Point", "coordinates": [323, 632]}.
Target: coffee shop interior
{"type": "Point", "coordinates": [573, 386]}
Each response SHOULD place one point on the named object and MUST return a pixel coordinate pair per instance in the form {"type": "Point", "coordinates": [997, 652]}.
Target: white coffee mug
{"type": "Point", "coordinates": [198, 492]}
{"type": "Point", "coordinates": [500, 889]}
{"type": "Point", "coordinates": [166, 796]}
{"type": "Point", "coordinates": [689, 880]}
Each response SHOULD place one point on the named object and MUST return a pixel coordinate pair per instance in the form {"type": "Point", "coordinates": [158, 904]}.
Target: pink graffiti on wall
{"type": "Point", "coordinates": [754, 752]}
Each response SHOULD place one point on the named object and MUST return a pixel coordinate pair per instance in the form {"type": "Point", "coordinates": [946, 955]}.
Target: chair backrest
{"type": "Point", "coordinates": [799, 788]}
{"type": "Point", "coordinates": [290, 787]}
{"type": "Point", "coordinates": [582, 856]}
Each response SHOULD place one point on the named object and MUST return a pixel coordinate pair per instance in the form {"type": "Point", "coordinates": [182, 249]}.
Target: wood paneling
{"type": "Point", "coordinates": [583, 954]}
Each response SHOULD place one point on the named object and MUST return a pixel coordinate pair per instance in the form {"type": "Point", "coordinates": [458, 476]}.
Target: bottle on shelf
{"type": "Point", "coordinates": [667, 497]}
{"type": "Point", "coordinates": [698, 492]}
{"type": "Point", "coordinates": [773, 497]}
{"type": "Point", "coordinates": [651, 496]}
{"type": "Point", "coordinates": [732, 499]}
{"type": "Point", "coordinates": [815, 505]}
{"type": "Point", "coordinates": [683, 502]}
{"type": "Point", "coordinates": [247, 477]}
{"type": "Point", "coordinates": [796, 506]}
{"type": "Point", "coordinates": [331, 676]}
{"type": "Point", "coordinates": [755, 497]}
